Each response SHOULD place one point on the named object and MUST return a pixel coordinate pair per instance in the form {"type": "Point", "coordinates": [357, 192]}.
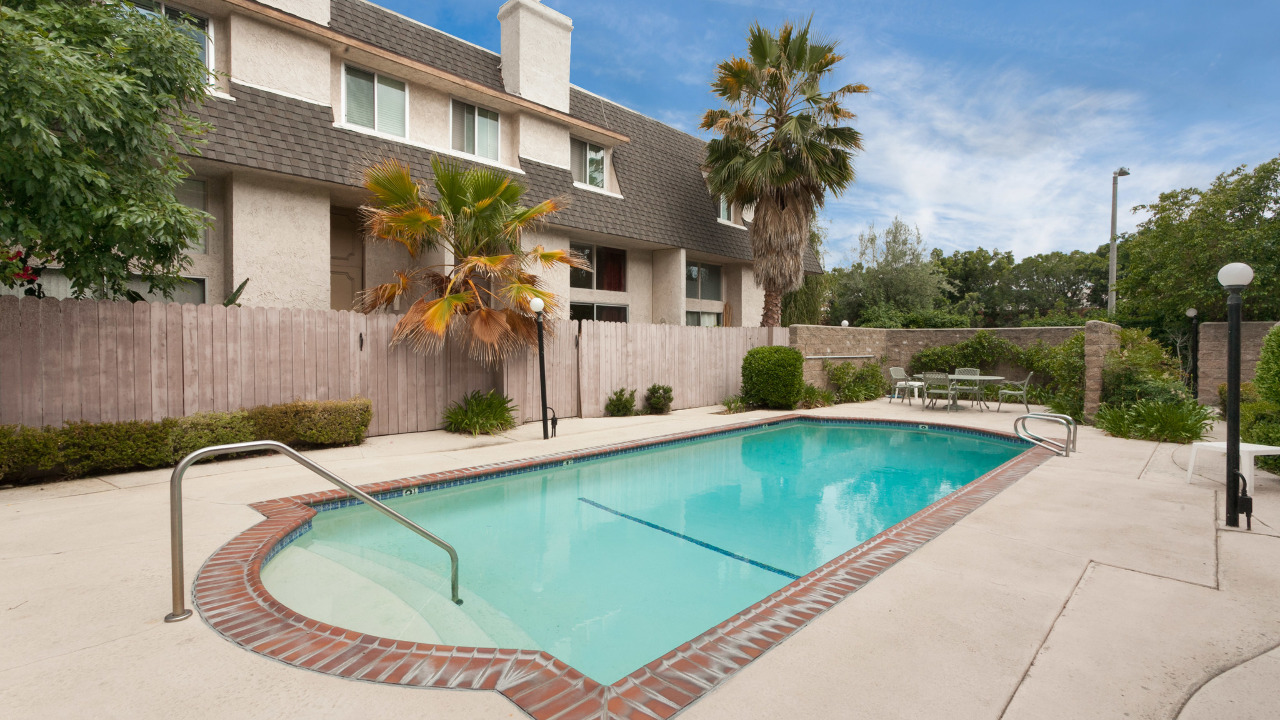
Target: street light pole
{"type": "Point", "coordinates": [1111, 272]}
{"type": "Point", "coordinates": [1234, 278]}
{"type": "Point", "coordinates": [536, 305]}
{"type": "Point", "coordinates": [1195, 352]}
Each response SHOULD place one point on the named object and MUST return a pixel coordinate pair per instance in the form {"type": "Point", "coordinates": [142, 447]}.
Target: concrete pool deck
{"type": "Point", "coordinates": [1097, 586]}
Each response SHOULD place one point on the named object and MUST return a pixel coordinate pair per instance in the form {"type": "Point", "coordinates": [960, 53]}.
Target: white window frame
{"type": "Point", "coordinates": [478, 107]}
{"type": "Point", "coordinates": [374, 130]}
{"type": "Point", "coordinates": [596, 305]}
{"type": "Point", "coordinates": [210, 46]}
{"type": "Point", "coordinates": [604, 177]}
{"type": "Point", "coordinates": [724, 208]}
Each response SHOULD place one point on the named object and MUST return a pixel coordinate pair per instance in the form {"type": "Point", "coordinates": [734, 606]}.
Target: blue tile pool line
{"type": "Point", "coordinates": [695, 541]}
{"type": "Point", "coordinates": [588, 454]}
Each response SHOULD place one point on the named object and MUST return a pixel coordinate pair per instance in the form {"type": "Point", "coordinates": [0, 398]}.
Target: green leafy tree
{"type": "Point", "coordinates": [1057, 281]}
{"type": "Point", "coordinates": [978, 280]}
{"type": "Point", "coordinates": [1173, 258]}
{"type": "Point", "coordinates": [891, 278]}
{"type": "Point", "coordinates": [804, 306]}
{"type": "Point", "coordinates": [96, 99]}
{"type": "Point", "coordinates": [782, 147]}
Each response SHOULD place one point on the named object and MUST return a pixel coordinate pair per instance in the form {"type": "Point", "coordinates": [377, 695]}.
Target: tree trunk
{"type": "Point", "coordinates": [772, 315]}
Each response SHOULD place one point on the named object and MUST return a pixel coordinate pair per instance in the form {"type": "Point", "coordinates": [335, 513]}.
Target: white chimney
{"type": "Point", "coordinates": [535, 52]}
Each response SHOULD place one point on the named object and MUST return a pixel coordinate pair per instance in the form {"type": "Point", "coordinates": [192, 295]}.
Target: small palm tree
{"type": "Point", "coordinates": [482, 297]}
{"type": "Point", "coordinates": [781, 148]}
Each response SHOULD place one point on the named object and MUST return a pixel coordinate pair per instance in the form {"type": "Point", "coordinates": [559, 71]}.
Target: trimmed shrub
{"type": "Point", "coordinates": [480, 412]}
{"type": "Point", "coordinates": [814, 397]}
{"type": "Point", "coordinates": [1260, 423]}
{"type": "Point", "coordinates": [1180, 422]}
{"type": "Point", "coordinates": [116, 446]}
{"type": "Point", "coordinates": [1248, 394]}
{"type": "Point", "coordinates": [658, 399]}
{"type": "Point", "coordinates": [212, 428]}
{"type": "Point", "coordinates": [773, 377]}
{"type": "Point", "coordinates": [856, 384]}
{"type": "Point", "coordinates": [24, 449]}
{"type": "Point", "coordinates": [302, 423]}
{"type": "Point", "coordinates": [621, 403]}
{"type": "Point", "coordinates": [1267, 378]}
{"type": "Point", "coordinates": [734, 404]}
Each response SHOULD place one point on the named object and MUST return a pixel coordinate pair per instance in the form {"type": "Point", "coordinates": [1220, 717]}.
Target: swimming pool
{"type": "Point", "coordinates": [610, 562]}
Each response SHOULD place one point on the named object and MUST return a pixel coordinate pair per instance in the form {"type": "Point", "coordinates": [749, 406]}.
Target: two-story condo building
{"type": "Point", "coordinates": [309, 92]}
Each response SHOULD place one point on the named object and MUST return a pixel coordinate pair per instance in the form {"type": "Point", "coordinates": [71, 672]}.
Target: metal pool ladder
{"type": "Point", "coordinates": [1066, 421]}
{"type": "Point", "coordinates": [175, 513]}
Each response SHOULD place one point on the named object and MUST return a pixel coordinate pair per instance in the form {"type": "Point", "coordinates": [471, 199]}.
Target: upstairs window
{"type": "Point", "coordinates": [587, 162]}
{"type": "Point", "coordinates": [702, 281]}
{"type": "Point", "coordinates": [193, 26]}
{"type": "Point", "coordinates": [608, 269]}
{"type": "Point", "coordinates": [375, 101]}
{"type": "Point", "coordinates": [475, 130]}
{"type": "Point", "coordinates": [194, 194]}
{"type": "Point", "coordinates": [726, 209]}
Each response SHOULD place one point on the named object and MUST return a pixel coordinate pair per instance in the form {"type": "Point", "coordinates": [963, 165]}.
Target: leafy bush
{"type": "Point", "coordinates": [1180, 422]}
{"type": "Point", "coordinates": [480, 412]}
{"type": "Point", "coordinates": [773, 377]}
{"type": "Point", "coordinates": [658, 399]}
{"type": "Point", "coordinates": [734, 404]}
{"type": "Point", "coordinates": [1260, 423]}
{"type": "Point", "coordinates": [115, 446]}
{"type": "Point", "coordinates": [1248, 394]}
{"type": "Point", "coordinates": [814, 397]}
{"type": "Point", "coordinates": [856, 384]}
{"type": "Point", "coordinates": [1140, 368]}
{"type": "Point", "coordinates": [301, 423]}
{"type": "Point", "coordinates": [28, 448]}
{"type": "Point", "coordinates": [621, 403]}
{"type": "Point", "coordinates": [1267, 378]}
{"type": "Point", "coordinates": [201, 430]}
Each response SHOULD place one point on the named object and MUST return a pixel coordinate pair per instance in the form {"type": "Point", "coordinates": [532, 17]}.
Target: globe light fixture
{"type": "Point", "coordinates": [537, 305]}
{"type": "Point", "coordinates": [844, 323]}
{"type": "Point", "coordinates": [1234, 278]}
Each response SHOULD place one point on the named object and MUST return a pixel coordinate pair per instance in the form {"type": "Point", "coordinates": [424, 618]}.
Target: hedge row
{"type": "Point", "coordinates": [81, 448]}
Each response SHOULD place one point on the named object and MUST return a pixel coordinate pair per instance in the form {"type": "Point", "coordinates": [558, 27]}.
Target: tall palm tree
{"type": "Point", "coordinates": [482, 296]}
{"type": "Point", "coordinates": [781, 148]}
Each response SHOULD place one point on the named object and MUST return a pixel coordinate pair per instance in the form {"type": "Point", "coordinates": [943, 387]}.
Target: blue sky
{"type": "Point", "coordinates": [990, 123]}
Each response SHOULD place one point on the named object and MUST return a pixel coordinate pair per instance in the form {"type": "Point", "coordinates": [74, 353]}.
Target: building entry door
{"type": "Point", "coordinates": [346, 259]}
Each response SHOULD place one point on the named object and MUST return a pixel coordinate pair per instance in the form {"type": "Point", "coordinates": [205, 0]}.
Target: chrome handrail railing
{"type": "Point", "coordinates": [175, 513]}
{"type": "Point", "coordinates": [1068, 422]}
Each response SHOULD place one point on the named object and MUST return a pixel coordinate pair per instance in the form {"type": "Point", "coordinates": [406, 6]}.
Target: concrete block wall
{"type": "Point", "coordinates": [1212, 354]}
{"type": "Point", "coordinates": [1099, 339]}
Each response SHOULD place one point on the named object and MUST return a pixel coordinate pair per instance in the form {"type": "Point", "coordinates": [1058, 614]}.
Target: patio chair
{"type": "Point", "coordinates": [938, 385]}
{"type": "Point", "coordinates": [902, 383]}
{"type": "Point", "coordinates": [1015, 390]}
{"type": "Point", "coordinates": [969, 388]}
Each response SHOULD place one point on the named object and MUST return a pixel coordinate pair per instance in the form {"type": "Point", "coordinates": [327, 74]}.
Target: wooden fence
{"type": "Point", "coordinates": [65, 360]}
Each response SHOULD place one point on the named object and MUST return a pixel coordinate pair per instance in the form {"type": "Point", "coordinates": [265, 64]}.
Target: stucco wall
{"type": "Point", "coordinates": [269, 57]}
{"type": "Point", "coordinates": [543, 140]}
{"type": "Point", "coordinates": [555, 279]}
{"type": "Point", "coordinates": [279, 239]}
{"type": "Point", "coordinates": [744, 295]}
{"type": "Point", "coordinates": [668, 287]}
{"type": "Point", "coordinates": [314, 10]}
{"type": "Point", "coordinates": [535, 52]}
{"type": "Point", "coordinates": [1213, 355]}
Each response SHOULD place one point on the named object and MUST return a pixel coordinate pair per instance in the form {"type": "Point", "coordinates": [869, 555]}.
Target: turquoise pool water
{"type": "Point", "coordinates": [610, 563]}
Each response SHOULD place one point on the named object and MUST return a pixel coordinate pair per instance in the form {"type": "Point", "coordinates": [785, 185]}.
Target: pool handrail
{"type": "Point", "coordinates": [180, 612]}
{"type": "Point", "coordinates": [1058, 448]}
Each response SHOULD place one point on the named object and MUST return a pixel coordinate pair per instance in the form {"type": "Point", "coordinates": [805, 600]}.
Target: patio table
{"type": "Point", "coordinates": [982, 380]}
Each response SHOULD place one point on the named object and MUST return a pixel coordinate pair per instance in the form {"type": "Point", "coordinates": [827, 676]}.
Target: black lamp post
{"type": "Point", "coordinates": [1195, 352]}
{"type": "Point", "coordinates": [1234, 278]}
{"type": "Point", "coordinates": [536, 306]}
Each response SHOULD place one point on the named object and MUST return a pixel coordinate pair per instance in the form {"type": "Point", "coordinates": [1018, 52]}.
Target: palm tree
{"type": "Point", "coordinates": [781, 148]}
{"type": "Point", "coordinates": [482, 296]}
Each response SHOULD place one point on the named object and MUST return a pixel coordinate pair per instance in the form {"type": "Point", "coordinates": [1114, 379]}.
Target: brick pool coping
{"type": "Point", "coordinates": [229, 595]}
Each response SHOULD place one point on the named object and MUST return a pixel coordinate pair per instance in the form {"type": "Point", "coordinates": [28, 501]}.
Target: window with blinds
{"type": "Point", "coordinates": [189, 24]}
{"type": "Point", "coordinates": [475, 130]}
{"type": "Point", "coordinates": [376, 102]}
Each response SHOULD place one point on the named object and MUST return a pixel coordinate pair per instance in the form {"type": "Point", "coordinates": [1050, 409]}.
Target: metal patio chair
{"type": "Point", "coordinates": [938, 385]}
{"type": "Point", "coordinates": [969, 388]}
{"type": "Point", "coordinates": [902, 383]}
{"type": "Point", "coordinates": [1015, 390]}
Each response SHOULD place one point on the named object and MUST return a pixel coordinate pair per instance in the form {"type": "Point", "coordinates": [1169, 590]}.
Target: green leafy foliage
{"type": "Point", "coordinates": [201, 430]}
{"type": "Point", "coordinates": [1182, 421]}
{"type": "Point", "coordinates": [773, 377]}
{"type": "Point", "coordinates": [891, 278]}
{"type": "Point", "coordinates": [814, 397]}
{"type": "Point", "coordinates": [856, 384]}
{"type": "Point", "coordinates": [302, 423]}
{"type": "Point", "coordinates": [28, 448]}
{"type": "Point", "coordinates": [1260, 423]}
{"type": "Point", "coordinates": [1248, 394]}
{"type": "Point", "coordinates": [480, 412]}
{"type": "Point", "coordinates": [115, 446]}
{"type": "Point", "coordinates": [97, 110]}
{"type": "Point", "coordinates": [805, 305]}
{"type": "Point", "coordinates": [1141, 369]}
{"type": "Point", "coordinates": [1267, 378]}
{"type": "Point", "coordinates": [734, 404]}
{"type": "Point", "coordinates": [658, 399]}
{"type": "Point", "coordinates": [621, 403]}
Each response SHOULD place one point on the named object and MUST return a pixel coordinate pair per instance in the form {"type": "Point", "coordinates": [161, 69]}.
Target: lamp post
{"type": "Point", "coordinates": [536, 305]}
{"type": "Point", "coordinates": [1195, 352]}
{"type": "Point", "coordinates": [1234, 278]}
{"type": "Point", "coordinates": [1111, 272]}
